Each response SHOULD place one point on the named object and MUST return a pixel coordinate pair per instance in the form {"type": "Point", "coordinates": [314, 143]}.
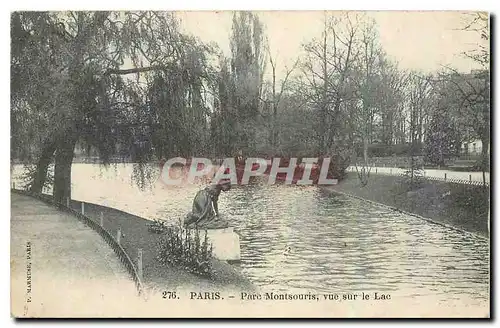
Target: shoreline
{"type": "Point", "coordinates": [135, 236]}
{"type": "Point", "coordinates": [476, 235]}
{"type": "Point", "coordinates": [436, 202]}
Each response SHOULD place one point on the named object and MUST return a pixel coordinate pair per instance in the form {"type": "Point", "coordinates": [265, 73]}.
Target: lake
{"type": "Point", "coordinates": [336, 244]}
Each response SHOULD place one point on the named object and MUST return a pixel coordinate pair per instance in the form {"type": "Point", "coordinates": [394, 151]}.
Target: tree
{"type": "Point", "coordinates": [276, 97]}
{"type": "Point", "coordinates": [477, 91]}
{"type": "Point", "coordinates": [326, 71]}
{"type": "Point", "coordinates": [247, 67]}
{"type": "Point", "coordinates": [391, 97]}
{"type": "Point", "coordinates": [39, 88]}
{"type": "Point", "coordinates": [419, 95]}
{"type": "Point", "coordinates": [223, 119]}
{"type": "Point", "coordinates": [469, 94]}
{"type": "Point", "coordinates": [367, 77]}
{"type": "Point", "coordinates": [478, 22]}
{"type": "Point", "coordinates": [87, 51]}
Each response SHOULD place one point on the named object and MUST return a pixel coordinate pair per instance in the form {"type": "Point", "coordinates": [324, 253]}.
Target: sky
{"type": "Point", "coordinates": [423, 41]}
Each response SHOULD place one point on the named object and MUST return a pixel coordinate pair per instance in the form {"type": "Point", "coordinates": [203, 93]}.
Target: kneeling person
{"type": "Point", "coordinates": [205, 206]}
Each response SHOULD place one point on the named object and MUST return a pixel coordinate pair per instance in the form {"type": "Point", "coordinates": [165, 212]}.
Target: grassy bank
{"type": "Point", "coordinates": [155, 275]}
{"type": "Point", "coordinates": [462, 206]}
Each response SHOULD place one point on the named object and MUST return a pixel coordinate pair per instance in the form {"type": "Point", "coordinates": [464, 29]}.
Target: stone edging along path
{"type": "Point", "coordinates": [117, 248]}
{"type": "Point", "coordinates": [331, 190]}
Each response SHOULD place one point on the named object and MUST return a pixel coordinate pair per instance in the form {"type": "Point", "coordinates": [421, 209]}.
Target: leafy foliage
{"type": "Point", "coordinates": [157, 226]}
{"type": "Point", "coordinates": [28, 176]}
{"type": "Point", "coordinates": [183, 248]}
{"type": "Point", "coordinates": [413, 177]}
{"type": "Point", "coordinates": [132, 86]}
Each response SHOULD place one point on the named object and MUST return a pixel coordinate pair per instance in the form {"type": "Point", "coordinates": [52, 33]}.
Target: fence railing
{"type": "Point", "coordinates": [395, 171]}
{"type": "Point", "coordinates": [124, 258]}
{"type": "Point", "coordinates": [459, 181]}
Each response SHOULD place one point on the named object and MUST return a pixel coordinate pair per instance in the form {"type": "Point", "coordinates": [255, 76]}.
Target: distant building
{"type": "Point", "coordinates": [474, 147]}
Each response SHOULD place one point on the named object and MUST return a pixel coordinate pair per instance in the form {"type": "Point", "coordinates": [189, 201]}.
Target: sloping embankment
{"type": "Point", "coordinates": [464, 207]}
{"type": "Point", "coordinates": [135, 236]}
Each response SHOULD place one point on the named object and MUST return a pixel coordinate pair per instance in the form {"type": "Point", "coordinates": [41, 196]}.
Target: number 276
{"type": "Point", "coordinates": [169, 295]}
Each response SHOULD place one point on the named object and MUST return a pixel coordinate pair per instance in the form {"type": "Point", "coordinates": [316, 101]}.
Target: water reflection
{"type": "Point", "coordinates": [304, 239]}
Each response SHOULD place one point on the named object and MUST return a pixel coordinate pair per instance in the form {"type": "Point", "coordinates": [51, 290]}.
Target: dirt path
{"type": "Point", "coordinates": [60, 267]}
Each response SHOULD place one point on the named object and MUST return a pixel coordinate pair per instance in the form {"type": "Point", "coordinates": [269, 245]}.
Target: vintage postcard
{"type": "Point", "coordinates": [267, 164]}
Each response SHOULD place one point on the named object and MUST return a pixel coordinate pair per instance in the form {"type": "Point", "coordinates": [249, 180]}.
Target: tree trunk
{"type": "Point", "coordinates": [42, 167]}
{"type": "Point", "coordinates": [62, 170]}
{"type": "Point", "coordinates": [484, 158]}
{"type": "Point", "coordinates": [485, 134]}
{"type": "Point", "coordinates": [274, 138]}
{"type": "Point", "coordinates": [365, 152]}
{"type": "Point", "coordinates": [324, 107]}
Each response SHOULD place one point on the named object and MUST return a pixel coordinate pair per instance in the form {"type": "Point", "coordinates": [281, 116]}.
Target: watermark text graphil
{"type": "Point", "coordinates": [307, 171]}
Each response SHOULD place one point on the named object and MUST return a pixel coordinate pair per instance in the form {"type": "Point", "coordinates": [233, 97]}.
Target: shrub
{"type": "Point", "coordinates": [382, 150]}
{"type": "Point", "coordinates": [400, 149]}
{"type": "Point", "coordinates": [185, 249]}
{"type": "Point", "coordinates": [413, 177]}
{"type": "Point", "coordinates": [158, 226]}
{"type": "Point", "coordinates": [377, 150]}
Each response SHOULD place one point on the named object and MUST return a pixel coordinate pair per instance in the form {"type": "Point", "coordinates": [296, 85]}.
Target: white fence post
{"type": "Point", "coordinates": [83, 208]}
{"type": "Point", "coordinates": [118, 235]}
{"type": "Point", "coordinates": [101, 219]}
{"type": "Point", "coordinates": [139, 263]}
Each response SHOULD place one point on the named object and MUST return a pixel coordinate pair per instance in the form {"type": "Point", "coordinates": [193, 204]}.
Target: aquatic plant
{"type": "Point", "coordinates": [185, 249]}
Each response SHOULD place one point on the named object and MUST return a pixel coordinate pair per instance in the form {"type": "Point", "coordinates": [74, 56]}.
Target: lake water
{"type": "Point", "coordinates": [337, 244]}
